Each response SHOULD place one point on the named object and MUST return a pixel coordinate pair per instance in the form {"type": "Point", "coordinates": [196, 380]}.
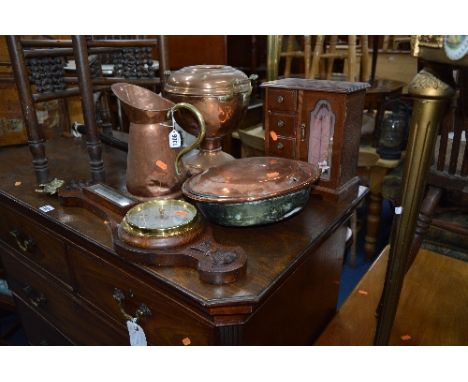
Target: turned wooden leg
{"type": "Point", "coordinates": [352, 260]}
{"type": "Point", "coordinates": [93, 142]}
{"type": "Point", "coordinates": [35, 138]}
{"type": "Point", "coordinates": [374, 208]}
{"type": "Point", "coordinates": [424, 221]}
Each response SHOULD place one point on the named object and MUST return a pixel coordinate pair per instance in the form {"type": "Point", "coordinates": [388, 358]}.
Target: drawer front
{"type": "Point", "coordinates": [282, 147]}
{"type": "Point", "coordinates": [282, 124]}
{"type": "Point", "coordinates": [59, 307]}
{"type": "Point", "coordinates": [167, 321]}
{"type": "Point", "coordinates": [282, 100]}
{"type": "Point", "coordinates": [34, 242]}
{"type": "Point", "coordinates": [39, 331]}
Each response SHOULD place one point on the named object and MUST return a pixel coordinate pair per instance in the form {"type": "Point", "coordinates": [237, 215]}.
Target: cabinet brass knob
{"type": "Point", "coordinates": [280, 99]}
{"type": "Point", "coordinates": [280, 123]}
{"type": "Point", "coordinates": [280, 146]}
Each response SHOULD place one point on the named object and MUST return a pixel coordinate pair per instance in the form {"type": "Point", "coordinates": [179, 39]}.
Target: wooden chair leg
{"type": "Point", "coordinates": [288, 62]}
{"type": "Point", "coordinates": [374, 208]}
{"type": "Point", "coordinates": [331, 60]}
{"type": "Point", "coordinates": [93, 142]}
{"type": "Point", "coordinates": [429, 204]}
{"type": "Point", "coordinates": [364, 70]}
{"type": "Point", "coordinates": [386, 43]}
{"type": "Point", "coordinates": [307, 54]}
{"type": "Point", "coordinates": [352, 59]}
{"type": "Point", "coordinates": [35, 137]}
{"type": "Point", "coordinates": [352, 261]}
{"type": "Point", "coordinates": [316, 57]}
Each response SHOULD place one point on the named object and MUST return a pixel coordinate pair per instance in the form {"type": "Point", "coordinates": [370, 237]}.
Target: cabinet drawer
{"type": "Point", "coordinates": [38, 331]}
{"type": "Point", "coordinates": [282, 100]}
{"type": "Point", "coordinates": [282, 147]}
{"type": "Point", "coordinates": [57, 306]}
{"type": "Point", "coordinates": [168, 322]}
{"type": "Point", "coordinates": [34, 242]}
{"type": "Point", "coordinates": [282, 124]}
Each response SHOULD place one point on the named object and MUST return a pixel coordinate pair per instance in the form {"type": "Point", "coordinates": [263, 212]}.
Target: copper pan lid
{"type": "Point", "coordinates": [207, 80]}
{"type": "Point", "coordinates": [250, 179]}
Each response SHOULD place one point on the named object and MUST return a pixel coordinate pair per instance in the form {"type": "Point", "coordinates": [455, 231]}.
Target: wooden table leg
{"type": "Point", "coordinates": [377, 175]}
{"type": "Point", "coordinates": [352, 260]}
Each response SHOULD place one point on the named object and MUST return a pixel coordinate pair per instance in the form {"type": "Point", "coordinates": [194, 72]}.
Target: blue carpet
{"type": "Point", "coordinates": [350, 276]}
{"type": "Point", "coordinates": [7, 321]}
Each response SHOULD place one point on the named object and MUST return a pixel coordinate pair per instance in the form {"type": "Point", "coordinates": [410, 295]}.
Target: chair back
{"type": "Point", "coordinates": [39, 70]}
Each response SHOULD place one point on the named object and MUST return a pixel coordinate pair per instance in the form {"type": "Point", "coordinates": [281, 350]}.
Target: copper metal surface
{"type": "Point", "coordinates": [251, 179]}
{"type": "Point", "coordinates": [221, 94]}
{"type": "Point", "coordinates": [152, 166]}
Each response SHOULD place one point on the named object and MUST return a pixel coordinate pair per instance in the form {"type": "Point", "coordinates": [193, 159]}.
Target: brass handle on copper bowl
{"type": "Point", "coordinates": [201, 135]}
{"type": "Point", "coordinates": [235, 83]}
{"type": "Point", "coordinates": [142, 311]}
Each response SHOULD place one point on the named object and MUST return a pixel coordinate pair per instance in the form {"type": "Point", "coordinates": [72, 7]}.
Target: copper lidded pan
{"type": "Point", "coordinates": [252, 191]}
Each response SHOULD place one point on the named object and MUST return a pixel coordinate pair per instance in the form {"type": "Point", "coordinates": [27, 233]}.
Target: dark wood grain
{"type": "Point", "coordinates": [59, 307]}
{"type": "Point", "coordinates": [268, 259]}
{"type": "Point", "coordinates": [196, 50]}
{"type": "Point", "coordinates": [302, 254]}
{"type": "Point", "coordinates": [289, 105]}
{"type": "Point", "coordinates": [39, 331]}
{"type": "Point", "coordinates": [317, 280]}
{"type": "Point", "coordinates": [170, 322]}
{"type": "Point", "coordinates": [41, 245]}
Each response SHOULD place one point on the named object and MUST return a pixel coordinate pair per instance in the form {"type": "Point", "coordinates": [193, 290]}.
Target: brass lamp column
{"type": "Point", "coordinates": [431, 96]}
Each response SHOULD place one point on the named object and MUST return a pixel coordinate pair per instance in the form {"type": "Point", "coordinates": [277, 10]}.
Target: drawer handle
{"type": "Point", "coordinates": [35, 298]}
{"type": "Point", "coordinates": [142, 311]}
{"type": "Point", "coordinates": [280, 146]}
{"type": "Point", "coordinates": [302, 131]}
{"type": "Point", "coordinates": [280, 99]}
{"type": "Point", "coordinates": [280, 123]}
{"type": "Point", "coordinates": [26, 244]}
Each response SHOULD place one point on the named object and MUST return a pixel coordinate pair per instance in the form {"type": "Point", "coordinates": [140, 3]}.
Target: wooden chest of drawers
{"type": "Point", "coordinates": [67, 279]}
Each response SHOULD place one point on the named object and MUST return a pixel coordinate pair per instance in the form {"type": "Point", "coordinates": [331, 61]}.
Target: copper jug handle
{"type": "Point", "coordinates": [201, 136]}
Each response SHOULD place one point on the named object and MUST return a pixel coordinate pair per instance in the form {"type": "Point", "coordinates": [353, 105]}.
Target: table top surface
{"type": "Point", "coordinates": [379, 162]}
{"type": "Point", "coordinates": [273, 251]}
{"type": "Point", "coordinates": [383, 86]}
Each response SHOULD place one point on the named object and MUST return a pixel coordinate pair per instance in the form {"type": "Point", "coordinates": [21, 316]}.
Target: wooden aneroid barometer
{"type": "Point", "coordinates": [319, 122]}
{"type": "Point", "coordinates": [159, 232]}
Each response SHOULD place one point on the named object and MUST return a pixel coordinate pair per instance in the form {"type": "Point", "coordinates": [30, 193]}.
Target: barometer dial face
{"type": "Point", "coordinates": [159, 216]}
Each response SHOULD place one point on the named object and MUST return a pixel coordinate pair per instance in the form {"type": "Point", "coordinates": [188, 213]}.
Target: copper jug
{"type": "Point", "coordinates": [153, 167]}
